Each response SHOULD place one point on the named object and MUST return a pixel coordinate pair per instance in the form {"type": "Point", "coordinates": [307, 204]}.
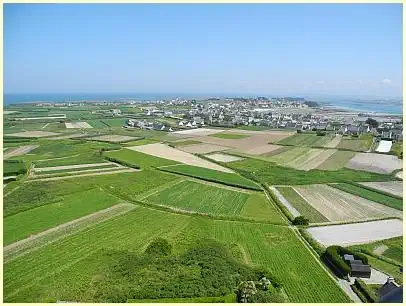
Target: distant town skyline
{"type": "Point", "coordinates": [274, 49]}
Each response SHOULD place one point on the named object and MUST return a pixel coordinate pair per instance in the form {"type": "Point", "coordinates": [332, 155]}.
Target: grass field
{"type": "Point", "coordinates": [337, 161]}
{"type": "Point", "coordinates": [229, 136]}
{"type": "Point", "coordinates": [70, 207]}
{"type": "Point", "coordinates": [371, 195]}
{"type": "Point", "coordinates": [97, 124]}
{"type": "Point", "coordinates": [397, 148]}
{"type": "Point", "coordinates": [66, 269]}
{"type": "Point", "coordinates": [14, 168]}
{"type": "Point", "coordinates": [272, 174]}
{"type": "Point", "coordinates": [363, 143]}
{"type": "Point", "coordinates": [114, 122]}
{"type": "Point", "coordinates": [231, 179]}
{"type": "Point", "coordinates": [387, 268]}
{"type": "Point", "coordinates": [88, 167]}
{"type": "Point", "coordinates": [231, 298]}
{"type": "Point", "coordinates": [217, 201]}
{"type": "Point", "coordinates": [306, 140]}
{"type": "Point", "coordinates": [391, 248]}
{"type": "Point", "coordinates": [301, 205]}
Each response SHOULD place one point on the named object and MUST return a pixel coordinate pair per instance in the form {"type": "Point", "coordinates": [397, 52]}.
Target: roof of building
{"type": "Point", "coordinates": [348, 257]}
{"type": "Point", "coordinates": [360, 268]}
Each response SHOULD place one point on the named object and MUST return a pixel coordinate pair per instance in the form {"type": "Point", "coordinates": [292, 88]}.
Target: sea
{"type": "Point", "coordinates": [387, 106]}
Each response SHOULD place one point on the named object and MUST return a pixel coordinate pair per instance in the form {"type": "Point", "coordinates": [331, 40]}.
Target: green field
{"type": "Point", "coordinates": [114, 122]}
{"type": "Point", "coordinates": [231, 179]}
{"type": "Point", "coordinates": [68, 208]}
{"type": "Point", "coordinates": [66, 270]}
{"type": "Point", "coordinates": [97, 124]}
{"type": "Point", "coordinates": [337, 161]}
{"type": "Point", "coordinates": [397, 148]}
{"type": "Point", "coordinates": [362, 143]}
{"type": "Point", "coordinates": [231, 298]}
{"type": "Point", "coordinates": [394, 248]}
{"type": "Point", "coordinates": [301, 205]}
{"type": "Point", "coordinates": [393, 270]}
{"type": "Point", "coordinates": [306, 140]}
{"type": "Point", "coordinates": [230, 136]}
{"type": "Point", "coordinates": [272, 174]}
{"type": "Point", "coordinates": [371, 195]}
{"type": "Point", "coordinates": [140, 159]}
{"type": "Point", "coordinates": [217, 201]}
{"type": "Point", "coordinates": [11, 168]}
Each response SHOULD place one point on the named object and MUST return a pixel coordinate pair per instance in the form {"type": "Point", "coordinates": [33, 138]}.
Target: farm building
{"type": "Point", "coordinates": [358, 268]}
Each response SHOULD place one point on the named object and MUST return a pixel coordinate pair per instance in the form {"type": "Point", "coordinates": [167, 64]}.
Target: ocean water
{"type": "Point", "coordinates": [390, 106]}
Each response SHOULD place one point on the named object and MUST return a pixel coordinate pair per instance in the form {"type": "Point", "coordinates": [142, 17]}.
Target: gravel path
{"type": "Point", "coordinates": [285, 202]}
{"type": "Point", "coordinates": [72, 167]}
{"type": "Point", "coordinates": [81, 175]}
{"type": "Point", "coordinates": [19, 151]}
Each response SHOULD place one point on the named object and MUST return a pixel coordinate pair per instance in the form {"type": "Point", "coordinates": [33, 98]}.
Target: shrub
{"type": "Point", "coordinates": [300, 220]}
{"type": "Point", "coordinates": [121, 162]}
{"type": "Point", "coordinates": [160, 247]}
{"type": "Point", "coordinates": [314, 244]}
{"type": "Point", "coordinates": [321, 133]}
{"type": "Point", "coordinates": [369, 295]}
{"type": "Point", "coordinates": [334, 254]}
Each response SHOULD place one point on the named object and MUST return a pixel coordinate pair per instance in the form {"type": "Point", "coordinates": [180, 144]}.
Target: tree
{"type": "Point", "coordinates": [372, 122]}
{"type": "Point", "coordinates": [246, 290]}
{"type": "Point", "coordinates": [160, 247]}
{"type": "Point", "coordinates": [300, 220]}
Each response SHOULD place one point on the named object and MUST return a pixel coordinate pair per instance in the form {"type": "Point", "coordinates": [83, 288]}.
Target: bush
{"type": "Point", "coordinates": [334, 254]}
{"type": "Point", "coordinates": [321, 133]}
{"type": "Point", "coordinates": [369, 295]}
{"type": "Point", "coordinates": [314, 244]}
{"type": "Point", "coordinates": [121, 162]}
{"type": "Point", "coordinates": [159, 247]}
{"type": "Point", "coordinates": [300, 220]}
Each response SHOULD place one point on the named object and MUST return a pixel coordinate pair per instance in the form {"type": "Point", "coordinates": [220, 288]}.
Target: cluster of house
{"type": "Point", "coordinates": [358, 268]}
{"type": "Point", "coordinates": [147, 125]}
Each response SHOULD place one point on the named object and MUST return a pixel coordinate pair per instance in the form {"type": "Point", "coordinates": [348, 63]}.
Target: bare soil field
{"type": "Point", "coordinates": [314, 160]}
{"type": "Point", "coordinates": [372, 162]}
{"type": "Point", "coordinates": [256, 144]}
{"type": "Point", "coordinates": [334, 142]}
{"type": "Point", "coordinates": [337, 205]}
{"type": "Point", "coordinates": [357, 233]}
{"type": "Point", "coordinates": [203, 148]}
{"type": "Point", "coordinates": [19, 151]}
{"type": "Point", "coordinates": [395, 187]}
{"type": "Point", "coordinates": [197, 132]}
{"type": "Point", "coordinates": [113, 138]}
{"type": "Point", "coordinates": [285, 202]}
{"type": "Point", "coordinates": [78, 125]}
{"type": "Point", "coordinates": [33, 134]}
{"type": "Point", "coordinates": [163, 151]}
{"type": "Point", "coordinates": [223, 157]}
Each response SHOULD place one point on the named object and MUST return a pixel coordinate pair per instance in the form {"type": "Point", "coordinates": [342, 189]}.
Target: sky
{"type": "Point", "coordinates": [273, 49]}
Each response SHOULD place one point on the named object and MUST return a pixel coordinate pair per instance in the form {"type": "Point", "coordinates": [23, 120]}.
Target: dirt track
{"type": "Point", "coordinates": [81, 175]}
{"type": "Point", "coordinates": [19, 151]}
{"type": "Point", "coordinates": [33, 134]}
{"type": "Point", "coordinates": [72, 167]}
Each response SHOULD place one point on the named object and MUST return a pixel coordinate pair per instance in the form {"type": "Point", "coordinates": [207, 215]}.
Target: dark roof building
{"type": "Point", "coordinates": [390, 292]}
{"type": "Point", "coordinates": [360, 270]}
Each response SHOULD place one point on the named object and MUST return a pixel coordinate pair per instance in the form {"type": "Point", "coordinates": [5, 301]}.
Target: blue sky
{"type": "Point", "coordinates": [286, 49]}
